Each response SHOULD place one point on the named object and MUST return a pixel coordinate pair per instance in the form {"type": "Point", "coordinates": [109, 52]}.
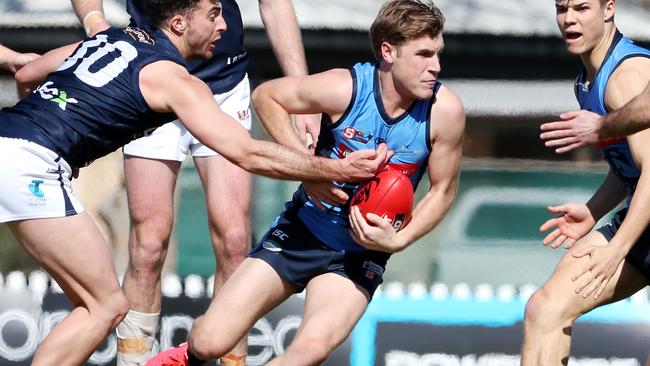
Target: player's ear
{"type": "Point", "coordinates": [388, 52]}
{"type": "Point", "coordinates": [178, 24]}
{"type": "Point", "coordinates": [610, 9]}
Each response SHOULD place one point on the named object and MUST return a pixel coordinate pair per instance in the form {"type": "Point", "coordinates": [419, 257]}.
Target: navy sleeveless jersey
{"type": "Point", "coordinates": [92, 104]}
{"type": "Point", "coordinates": [364, 125]}
{"type": "Point", "coordinates": [615, 151]}
{"type": "Point", "coordinates": [229, 62]}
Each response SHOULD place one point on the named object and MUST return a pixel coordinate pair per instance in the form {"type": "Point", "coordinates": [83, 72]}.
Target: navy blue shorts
{"type": "Point", "coordinates": [639, 255]}
{"type": "Point", "coordinates": [297, 256]}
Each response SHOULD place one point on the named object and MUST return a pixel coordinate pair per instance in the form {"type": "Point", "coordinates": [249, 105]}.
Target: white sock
{"type": "Point", "coordinates": [136, 338]}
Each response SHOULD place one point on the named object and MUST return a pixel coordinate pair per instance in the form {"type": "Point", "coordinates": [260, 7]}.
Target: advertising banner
{"type": "Point", "coordinates": [454, 327]}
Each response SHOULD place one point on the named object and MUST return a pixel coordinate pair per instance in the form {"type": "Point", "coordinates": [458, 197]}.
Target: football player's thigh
{"type": "Point", "coordinates": [228, 190]}
{"type": "Point", "coordinates": [65, 247]}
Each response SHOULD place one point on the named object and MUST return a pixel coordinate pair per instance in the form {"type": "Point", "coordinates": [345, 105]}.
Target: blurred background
{"type": "Point", "coordinates": [504, 58]}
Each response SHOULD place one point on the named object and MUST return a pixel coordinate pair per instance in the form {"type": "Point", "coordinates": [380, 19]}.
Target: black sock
{"type": "Point", "coordinates": [192, 360]}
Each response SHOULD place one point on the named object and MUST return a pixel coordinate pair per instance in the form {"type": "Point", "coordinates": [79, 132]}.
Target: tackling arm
{"type": "Point", "coordinates": [232, 141]}
{"type": "Point", "coordinates": [36, 71]}
{"type": "Point", "coordinates": [12, 60]}
{"type": "Point", "coordinates": [632, 117]}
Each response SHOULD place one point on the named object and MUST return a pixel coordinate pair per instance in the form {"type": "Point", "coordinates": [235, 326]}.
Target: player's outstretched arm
{"type": "Point", "coordinates": [444, 165]}
{"type": "Point", "coordinates": [574, 129]}
{"type": "Point", "coordinates": [196, 108]}
{"type": "Point", "coordinates": [580, 128]}
{"type": "Point", "coordinates": [573, 221]}
{"type": "Point", "coordinates": [626, 83]}
{"type": "Point", "coordinates": [32, 74]}
{"type": "Point", "coordinates": [282, 28]}
{"type": "Point", "coordinates": [14, 61]}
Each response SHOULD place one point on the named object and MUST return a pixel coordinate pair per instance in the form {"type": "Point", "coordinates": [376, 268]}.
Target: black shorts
{"type": "Point", "coordinates": [297, 256]}
{"type": "Point", "coordinates": [639, 255]}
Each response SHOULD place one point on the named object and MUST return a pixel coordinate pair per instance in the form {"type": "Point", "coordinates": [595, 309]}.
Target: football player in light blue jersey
{"type": "Point", "coordinates": [319, 243]}
{"type": "Point", "coordinates": [612, 262]}
{"type": "Point", "coordinates": [107, 93]}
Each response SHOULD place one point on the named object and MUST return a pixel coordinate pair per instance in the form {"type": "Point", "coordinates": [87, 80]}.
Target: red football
{"type": "Point", "coordinates": [389, 194]}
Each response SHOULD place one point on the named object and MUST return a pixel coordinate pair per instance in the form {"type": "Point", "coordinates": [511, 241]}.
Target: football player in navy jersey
{"type": "Point", "coordinates": [12, 61]}
{"type": "Point", "coordinates": [612, 262]}
{"type": "Point", "coordinates": [152, 164]}
{"type": "Point", "coordinates": [318, 243]}
{"type": "Point", "coordinates": [115, 87]}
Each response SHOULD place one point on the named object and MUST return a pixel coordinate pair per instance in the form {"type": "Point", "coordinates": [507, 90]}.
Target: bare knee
{"type": "Point", "coordinates": [546, 310]}
{"type": "Point", "coordinates": [110, 309]}
{"type": "Point", "coordinates": [148, 247]}
{"type": "Point", "coordinates": [311, 349]}
{"type": "Point", "coordinates": [232, 245]}
{"type": "Point", "coordinates": [205, 343]}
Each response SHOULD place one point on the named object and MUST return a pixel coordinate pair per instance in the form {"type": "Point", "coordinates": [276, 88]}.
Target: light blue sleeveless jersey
{"type": "Point", "coordinates": [364, 125]}
{"type": "Point", "coordinates": [615, 151]}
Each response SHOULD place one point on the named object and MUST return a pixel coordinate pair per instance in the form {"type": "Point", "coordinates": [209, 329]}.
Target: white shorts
{"type": "Point", "coordinates": [35, 182]}
{"type": "Point", "coordinates": [172, 141]}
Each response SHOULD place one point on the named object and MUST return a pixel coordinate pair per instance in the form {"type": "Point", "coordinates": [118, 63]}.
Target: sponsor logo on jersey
{"type": "Point", "coordinates": [372, 269]}
{"type": "Point", "coordinates": [60, 97]}
{"type": "Point", "coordinates": [405, 150]}
{"type": "Point", "coordinates": [232, 60]}
{"type": "Point", "coordinates": [55, 171]}
{"type": "Point", "coordinates": [352, 133]}
{"type": "Point", "coordinates": [280, 234]}
{"type": "Point", "coordinates": [343, 151]}
{"type": "Point", "coordinates": [139, 35]}
{"type": "Point", "coordinates": [271, 246]}
{"type": "Point", "coordinates": [34, 187]}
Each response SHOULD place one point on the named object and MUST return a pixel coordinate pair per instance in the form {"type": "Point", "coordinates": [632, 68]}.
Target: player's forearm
{"type": "Point", "coordinates": [90, 14]}
{"type": "Point", "coordinates": [632, 118]}
{"type": "Point", "coordinates": [637, 218]}
{"type": "Point", "coordinates": [32, 74]}
{"type": "Point", "coordinates": [275, 161]}
{"type": "Point", "coordinates": [427, 214]}
{"type": "Point", "coordinates": [7, 56]}
{"type": "Point", "coordinates": [83, 7]}
{"type": "Point", "coordinates": [610, 193]}
{"type": "Point", "coordinates": [275, 118]}
{"type": "Point", "coordinates": [282, 28]}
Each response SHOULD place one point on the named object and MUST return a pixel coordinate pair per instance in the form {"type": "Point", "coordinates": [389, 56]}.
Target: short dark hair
{"type": "Point", "coordinates": [401, 20]}
{"type": "Point", "coordinates": [160, 11]}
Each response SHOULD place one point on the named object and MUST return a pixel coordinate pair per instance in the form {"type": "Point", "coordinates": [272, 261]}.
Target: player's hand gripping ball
{"type": "Point", "coordinates": [389, 194]}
